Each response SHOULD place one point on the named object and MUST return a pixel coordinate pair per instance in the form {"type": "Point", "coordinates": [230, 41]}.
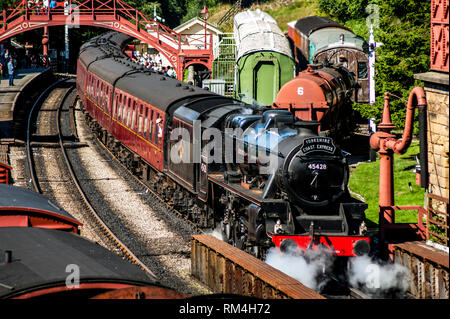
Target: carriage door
{"type": "Point", "coordinates": [203, 180]}
{"type": "Point", "coordinates": [266, 79]}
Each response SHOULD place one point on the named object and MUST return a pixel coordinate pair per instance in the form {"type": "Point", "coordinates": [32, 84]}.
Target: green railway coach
{"type": "Point", "coordinates": [264, 61]}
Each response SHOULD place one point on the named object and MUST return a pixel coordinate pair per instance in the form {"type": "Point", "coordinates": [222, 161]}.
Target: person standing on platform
{"type": "Point", "coordinates": [45, 4]}
{"type": "Point", "coordinates": [11, 70]}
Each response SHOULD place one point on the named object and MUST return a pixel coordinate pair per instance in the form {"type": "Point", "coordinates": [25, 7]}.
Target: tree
{"type": "Point", "coordinates": [405, 33]}
{"type": "Point", "coordinates": [194, 7]}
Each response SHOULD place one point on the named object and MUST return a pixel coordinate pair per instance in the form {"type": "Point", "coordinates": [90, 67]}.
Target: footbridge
{"type": "Point", "coordinates": [180, 50]}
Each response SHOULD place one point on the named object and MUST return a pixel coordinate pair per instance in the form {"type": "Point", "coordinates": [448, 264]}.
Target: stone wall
{"type": "Point", "coordinates": [436, 90]}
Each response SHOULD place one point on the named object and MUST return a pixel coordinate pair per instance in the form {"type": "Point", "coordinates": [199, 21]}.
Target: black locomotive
{"type": "Point", "coordinates": [263, 175]}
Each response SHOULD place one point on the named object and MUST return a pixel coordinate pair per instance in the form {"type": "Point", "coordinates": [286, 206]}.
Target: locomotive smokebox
{"type": "Point", "coordinates": [314, 174]}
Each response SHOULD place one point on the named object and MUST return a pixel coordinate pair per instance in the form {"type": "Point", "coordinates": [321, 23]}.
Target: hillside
{"type": "Point", "coordinates": [283, 11]}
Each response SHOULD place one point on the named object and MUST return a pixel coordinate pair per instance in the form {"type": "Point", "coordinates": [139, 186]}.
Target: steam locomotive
{"type": "Point", "coordinates": [264, 176]}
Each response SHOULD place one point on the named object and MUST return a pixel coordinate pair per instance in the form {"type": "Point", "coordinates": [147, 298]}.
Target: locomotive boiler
{"type": "Point", "coordinates": [321, 93]}
{"type": "Point", "coordinates": [264, 176]}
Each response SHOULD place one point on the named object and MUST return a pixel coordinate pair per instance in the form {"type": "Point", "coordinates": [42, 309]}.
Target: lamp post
{"type": "Point", "coordinates": [45, 47]}
{"type": "Point", "coordinates": [205, 14]}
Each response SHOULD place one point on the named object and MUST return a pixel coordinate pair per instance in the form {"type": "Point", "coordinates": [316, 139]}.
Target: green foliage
{"type": "Point", "coordinates": [194, 7]}
{"type": "Point", "coordinates": [343, 10]}
{"type": "Point", "coordinates": [4, 4]}
{"type": "Point", "coordinates": [148, 8]}
{"type": "Point", "coordinates": [404, 31]}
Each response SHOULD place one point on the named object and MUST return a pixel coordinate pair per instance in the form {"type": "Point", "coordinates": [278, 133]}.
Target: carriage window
{"type": "Point", "coordinates": [95, 90]}
{"type": "Point", "coordinates": [140, 120]}
{"type": "Point", "coordinates": [90, 88]}
{"type": "Point", "coordinates": [124, 109]}
{"type": "Point", "coordinates": [150, 130]}
{"type": "Point", "coordinates": [113, 110]}
{"type": "Point", "coordinates": [129, 112]}
{"type": "Point", "coordinates": [119, 108]}
{"type": "Point", "coordinates": [362, 70]}
{"type": "Point", "coordinates": [146, 123]}
{"type": "Point", "coordinates": [94, 85]}
{"type": "Point", "coordinates": [89, 85]}
{"type": "Point", "coordinates": [133, 116]}
{"type": "Point", "coordinates": [101, 95]}
{"type": "Point", "coordinates": [158, 129]}
{"type": "Point", "coordinates": [105, 97]}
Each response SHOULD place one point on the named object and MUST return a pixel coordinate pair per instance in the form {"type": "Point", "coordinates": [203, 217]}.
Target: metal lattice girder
{"type": "Point", "coordinates": [111, 14]}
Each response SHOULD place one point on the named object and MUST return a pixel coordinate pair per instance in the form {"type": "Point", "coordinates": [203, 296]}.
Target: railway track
{"type": "Point", "coordinates": [46, 130]}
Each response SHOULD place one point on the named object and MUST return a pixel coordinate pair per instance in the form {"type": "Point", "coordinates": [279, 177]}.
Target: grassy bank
{"type": "Point", "coordinates": [364, 180]}
{"type": "Point", "coordinates": [283, 11]}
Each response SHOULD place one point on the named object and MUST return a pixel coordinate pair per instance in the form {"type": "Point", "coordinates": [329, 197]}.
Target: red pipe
{"type": "Point", "coordinates": [384, 142]}
{"type": "Point", "coordinates": [417, 95]}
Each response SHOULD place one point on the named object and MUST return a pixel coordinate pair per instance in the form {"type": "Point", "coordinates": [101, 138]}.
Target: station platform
{"type": "Point", "coordinates": [9, 97]}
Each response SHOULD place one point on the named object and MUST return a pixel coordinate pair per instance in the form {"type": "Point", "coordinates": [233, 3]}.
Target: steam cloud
{"type": "Point", "coordinates": [378, 280]}
{"type": "Point", "coordinates": [307, 268]}
{"type": "Point", "coordinates": [375, 278]}
{"type": "Point", "coordinates": [217, 232]}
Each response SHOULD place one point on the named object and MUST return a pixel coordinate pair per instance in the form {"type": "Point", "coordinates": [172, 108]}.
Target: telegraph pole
{"type": "Point", "coordinates": [372, 46]}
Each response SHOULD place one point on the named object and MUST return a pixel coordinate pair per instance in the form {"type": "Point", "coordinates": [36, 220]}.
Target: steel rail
{"type": "Point", "coordinates": [29, 153]}
{"type": "Point", "coordinates": [75, 180]}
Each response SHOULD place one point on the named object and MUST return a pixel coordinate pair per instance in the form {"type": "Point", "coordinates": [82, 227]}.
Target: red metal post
{"type": "Point", "coordinates": [205, 14]}
{"type": "Point", "coordinates": [386, 186]}
{"type": "Point", "coordinates": [45, 42]}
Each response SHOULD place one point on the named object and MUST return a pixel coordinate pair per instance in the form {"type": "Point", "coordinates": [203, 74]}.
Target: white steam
{"type": "Point", "coordinates": [217, 232]}
{"type": "Point", "coordinates": [307, 268]}
{"type": "Point", "coordinates": [375, 278]}
{"type": "Point", "coordinates": [378, 280]}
